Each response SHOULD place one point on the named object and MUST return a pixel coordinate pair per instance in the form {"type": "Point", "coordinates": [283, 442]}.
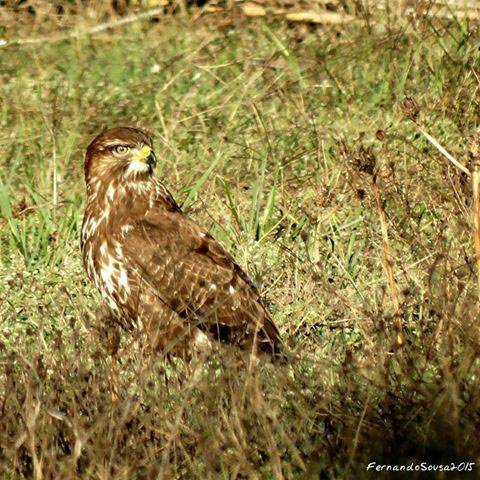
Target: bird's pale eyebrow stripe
{"type": "Point", "coordinates": [115, 142]}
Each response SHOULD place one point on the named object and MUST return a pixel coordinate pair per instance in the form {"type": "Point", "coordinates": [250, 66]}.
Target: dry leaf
{"type": "Point", "coordinates": [212, 9]}
{"type": "Point", "coordinates": [151, 3]}
{"type": "Point", "coordinates": [253, 10]}
{"type": "Point", "coordinates": [309, 16]}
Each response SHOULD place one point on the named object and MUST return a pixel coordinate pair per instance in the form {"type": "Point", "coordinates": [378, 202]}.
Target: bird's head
{"type": "Point", "coordinates": [120, 151]}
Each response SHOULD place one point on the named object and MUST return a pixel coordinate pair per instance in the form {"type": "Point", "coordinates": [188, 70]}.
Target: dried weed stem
{"type": "Point", "coordinates": [388, 262]}
{"type": "Point", "coordinates": [476, 220]}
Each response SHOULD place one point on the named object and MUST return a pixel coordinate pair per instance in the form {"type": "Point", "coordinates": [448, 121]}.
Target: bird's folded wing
{"type": "Point", "coordinates": [192, 272]}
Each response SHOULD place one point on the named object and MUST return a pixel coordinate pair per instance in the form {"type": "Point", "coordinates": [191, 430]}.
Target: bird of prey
{"type": "Point", "coordinates": [153, 265]}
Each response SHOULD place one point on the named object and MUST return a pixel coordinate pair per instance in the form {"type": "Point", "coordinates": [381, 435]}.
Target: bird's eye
{"type": "Point", "coordinates": [121, 149]}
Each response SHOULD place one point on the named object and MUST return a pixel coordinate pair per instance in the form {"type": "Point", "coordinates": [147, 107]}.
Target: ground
{"type": "Point", "coordinates": [290, 142]}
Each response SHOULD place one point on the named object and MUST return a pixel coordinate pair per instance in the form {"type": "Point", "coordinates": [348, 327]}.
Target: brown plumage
{"type": "Point", "coordinates": [155, 266]}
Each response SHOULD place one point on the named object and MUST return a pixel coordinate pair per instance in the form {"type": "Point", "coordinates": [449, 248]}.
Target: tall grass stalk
{"type": "Point", "coordinates": [476, 220]}
{"type": "Point", "coordinates": [388, 264]}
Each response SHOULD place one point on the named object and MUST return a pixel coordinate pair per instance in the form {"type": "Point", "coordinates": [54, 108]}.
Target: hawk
{"type": "Point", "coordinates": [152, 264]}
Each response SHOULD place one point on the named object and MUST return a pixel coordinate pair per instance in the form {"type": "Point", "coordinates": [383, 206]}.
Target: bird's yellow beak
{"type": "Point", "coordinates": [146, 155]}
{"type": "Point", "coordinates": [143, 153]}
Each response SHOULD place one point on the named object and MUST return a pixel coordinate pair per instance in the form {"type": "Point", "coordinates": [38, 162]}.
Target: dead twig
{"type": "Point", "coordinates": [447, 155]}
{"type": "Point", "coordinates": [83, 33]}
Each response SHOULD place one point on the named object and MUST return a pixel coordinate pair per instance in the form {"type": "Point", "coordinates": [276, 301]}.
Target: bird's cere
{"type": "Point", "coordinates": [145, 152]}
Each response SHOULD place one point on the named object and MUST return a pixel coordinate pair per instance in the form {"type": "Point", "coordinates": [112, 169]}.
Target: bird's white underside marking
{"type": "Point", "coordinates": [136, 166]}
{"type": "Point", "coordinates": [144, 187]}
{"type": "Point", "coordinates": [231, 290]}
{"type": "Point", "coordinates": [89, 262]}
{"type": "Point", "coordinates": [92, 224]}
{"type": "Point", "coordinates": [123, 281]}
{"type": "Point", "coordinates": [111, 192]}
{"type": "Point", "coordinates": [104, 249]}
{"type": "Point", "coordinates": [113, 276]}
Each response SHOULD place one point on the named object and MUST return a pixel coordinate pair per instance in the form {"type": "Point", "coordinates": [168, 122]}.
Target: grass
{"type": "Point", "coordinates": [272, 136]}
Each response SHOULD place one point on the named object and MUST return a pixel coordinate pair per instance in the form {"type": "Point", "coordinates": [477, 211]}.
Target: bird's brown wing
{"type": "Point", "coordinates": [193, 274]}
